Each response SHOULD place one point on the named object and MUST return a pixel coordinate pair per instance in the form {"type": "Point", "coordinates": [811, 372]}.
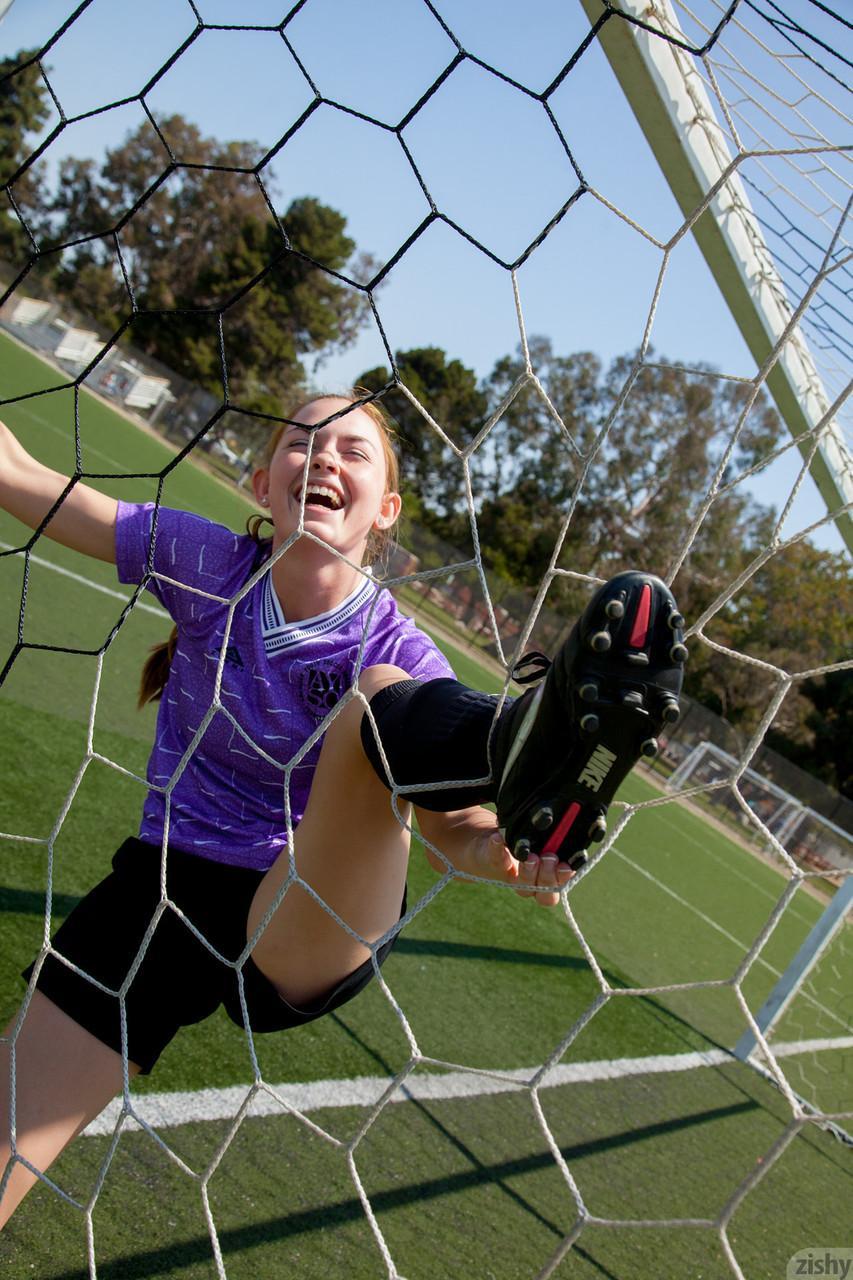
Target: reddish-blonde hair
{"type": "Point", "coordinates": [155, 672]}
{"type": "Point", "coordinates": [379, 541]}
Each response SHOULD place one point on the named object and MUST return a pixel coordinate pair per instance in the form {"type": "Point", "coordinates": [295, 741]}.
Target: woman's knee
{"type": "Point", "coordinates": [346, 734]}
{"type": "Point", "coordinates": [372, 679]}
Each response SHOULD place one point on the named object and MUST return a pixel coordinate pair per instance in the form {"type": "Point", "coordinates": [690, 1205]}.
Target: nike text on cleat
{"type": "Point", "coordinates": [561, 751]}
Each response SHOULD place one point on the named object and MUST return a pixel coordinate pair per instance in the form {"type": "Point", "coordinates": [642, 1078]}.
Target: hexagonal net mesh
{"type": "Point", "coordinates": [754, 97]}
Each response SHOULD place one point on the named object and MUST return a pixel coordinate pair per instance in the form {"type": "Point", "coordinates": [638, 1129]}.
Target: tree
{"type": "Point", "coordinates": [449, 392]}
{"type": "Point", "coordinates": [649, 459]}
{"type": "Point", "coordinates": [24, 107]}
{"type": "Point", "coordinates": [792, 613]}
{"type": "Point", "coordinates": [824, 749]}
{"type": "Point", "coordinates": [199, 242]}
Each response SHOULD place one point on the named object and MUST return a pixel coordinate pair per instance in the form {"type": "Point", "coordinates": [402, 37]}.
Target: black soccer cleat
{"type": "Point", "coordinates": [561, 751]}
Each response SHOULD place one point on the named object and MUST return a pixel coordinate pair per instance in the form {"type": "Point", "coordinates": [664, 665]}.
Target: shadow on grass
{"type": "Point", "coordinates": [30, 902]}
{"type": "Point", "coordinates": [240, 1239]}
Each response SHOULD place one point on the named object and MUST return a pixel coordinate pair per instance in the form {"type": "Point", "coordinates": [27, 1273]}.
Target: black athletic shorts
{"type": "Point", "coordinates": [179, 981]}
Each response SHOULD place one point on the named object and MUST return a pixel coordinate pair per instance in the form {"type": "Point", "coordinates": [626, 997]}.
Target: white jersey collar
{"type": "Point", "coordinates": [280, 634]}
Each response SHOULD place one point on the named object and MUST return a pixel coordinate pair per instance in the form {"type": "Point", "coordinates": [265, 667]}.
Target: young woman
{"type": "Point", "coordinates": [273, 831]}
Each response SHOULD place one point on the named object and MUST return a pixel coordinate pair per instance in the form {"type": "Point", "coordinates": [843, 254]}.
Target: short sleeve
{"type": "Point", "coordinates": [396, 639]}
{"type": "Point", "coordinates": [189, 558]}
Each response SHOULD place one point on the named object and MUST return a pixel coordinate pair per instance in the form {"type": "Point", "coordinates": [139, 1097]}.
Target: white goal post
{"type": "Point", "coordinates": [826, 928]}
{"type": "Point", "coordinates": [667, 95]}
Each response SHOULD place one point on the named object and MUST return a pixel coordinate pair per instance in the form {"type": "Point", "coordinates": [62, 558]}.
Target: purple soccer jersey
{"type": "Point", "coordinates": [279, 680]}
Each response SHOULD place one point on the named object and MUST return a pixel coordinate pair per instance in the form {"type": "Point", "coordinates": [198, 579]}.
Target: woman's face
{"type": "Point", "coordinates": [344, 488]}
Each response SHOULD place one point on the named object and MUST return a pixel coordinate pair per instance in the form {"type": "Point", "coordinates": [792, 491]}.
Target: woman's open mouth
{"type": "Point", "coordinates": [321, 496]}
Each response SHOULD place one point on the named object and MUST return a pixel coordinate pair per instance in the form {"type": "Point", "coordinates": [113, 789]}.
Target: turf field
{"type": "Point", "coordinates": [463, 1181]}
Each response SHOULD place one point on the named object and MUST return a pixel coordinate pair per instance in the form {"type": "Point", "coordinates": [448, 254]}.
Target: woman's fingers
{"type": "Point", "coordinates": [543, 877]}
{"type": "Point", "coordinates": [540, 877]}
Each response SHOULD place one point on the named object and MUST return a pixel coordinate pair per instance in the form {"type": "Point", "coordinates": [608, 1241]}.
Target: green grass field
{"type": "Point", "coordinates": [461, 1187]}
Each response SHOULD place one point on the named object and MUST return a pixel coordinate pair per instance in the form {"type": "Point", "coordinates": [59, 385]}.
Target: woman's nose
{"type": "Point", "coordinates": [324, 460]}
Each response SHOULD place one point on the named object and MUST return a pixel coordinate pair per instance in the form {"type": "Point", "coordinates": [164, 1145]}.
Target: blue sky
{"type": "Point", "coordinates": [488, 154]}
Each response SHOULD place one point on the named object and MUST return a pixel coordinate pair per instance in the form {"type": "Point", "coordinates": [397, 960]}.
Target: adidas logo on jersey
{"type": "Point", "coordinates": [232, 657]}
{"type": "Point", "coordinates": [597, 767]}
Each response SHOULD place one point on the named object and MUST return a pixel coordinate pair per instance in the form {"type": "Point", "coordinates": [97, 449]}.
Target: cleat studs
{"type": "Point", "coordinates": [543, 818]}
{"type": "Point", "coordinates": [675, 620]}
{"type": "Point", "coordinates": [522, 850]}
{"type": "Point", "coordinates": [670, 712]}
{"type": "Point", "coordinates": [600, 642]}
{"type": "Point", "coordinates": [588, 692]}
{"type": "Point", "coordinates": [649, 748]}
{"type": "Point", "coordinates": [598, 830]}
{"type": "Point", "coordinates": [678, 653]}
{"type": "Point", "coordinates": [615, 609]}
{"type": "Point", "coordinates": [589, 723]}
{"type": "Point", "coordinates": [631, 698]}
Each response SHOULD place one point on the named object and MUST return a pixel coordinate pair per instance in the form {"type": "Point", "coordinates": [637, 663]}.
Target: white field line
{"type": "Point", "coordinates": [69, 436]}
{"type": "Point", "coordinates": [730, 937]}
{"type": "Point", "coordinates": [166, 1110]}
{"type": "Point", "coordinates": [87, 582]}
{"type": "Point", "coordinates": [730, 870]}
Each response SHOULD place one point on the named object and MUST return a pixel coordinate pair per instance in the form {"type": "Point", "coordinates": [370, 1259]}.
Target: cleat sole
{"type": "Point", "coordinates": [629, 664]}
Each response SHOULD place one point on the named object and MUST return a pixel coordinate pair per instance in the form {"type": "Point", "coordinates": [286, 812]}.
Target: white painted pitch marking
{"type": "Point", "coordinates": [167, 1110]}
{"type": "Point", "coordinates": [732, 870]}
{"type": "Point", "coordinates": [742, 946]}
{"type": "Point", "coordinates": [69, 436]}
{"type": "Point", "coordinates": [87, 582]}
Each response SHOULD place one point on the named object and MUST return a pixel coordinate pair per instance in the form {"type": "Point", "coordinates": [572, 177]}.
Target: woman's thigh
{"type": "Point", "coordinates": [350, 853]}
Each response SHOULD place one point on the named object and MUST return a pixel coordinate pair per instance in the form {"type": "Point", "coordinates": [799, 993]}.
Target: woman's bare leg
{"type": "Point", "coordinates": [64, 1077]}
{"type": "Point", "coordinates": [351, 849]}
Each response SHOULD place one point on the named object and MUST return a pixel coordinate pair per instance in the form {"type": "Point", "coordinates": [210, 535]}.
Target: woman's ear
{"type": "Point", "coordinates": [389, 511]}
{"type": "Point", "coordinates": [261, 486]}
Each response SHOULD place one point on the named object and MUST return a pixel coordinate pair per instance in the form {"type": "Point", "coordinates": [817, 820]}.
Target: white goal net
{"type": "Point", "coordinates": [522, 198]}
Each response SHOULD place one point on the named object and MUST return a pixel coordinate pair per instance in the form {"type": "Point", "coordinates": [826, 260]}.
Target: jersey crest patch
{"type": "Point", "coordinates": [324, 687]}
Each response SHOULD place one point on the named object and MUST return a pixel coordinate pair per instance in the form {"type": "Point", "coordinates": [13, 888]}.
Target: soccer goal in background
{"type": "Point", "coordinates": [642, 1082]}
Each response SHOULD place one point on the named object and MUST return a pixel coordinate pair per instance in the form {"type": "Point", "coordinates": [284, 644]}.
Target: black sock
{"type": "Point", "coordinates": [433, 732]}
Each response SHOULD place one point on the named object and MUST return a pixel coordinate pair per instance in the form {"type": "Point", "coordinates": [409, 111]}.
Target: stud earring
{"type": "Point", "coordinates": [265, 502]}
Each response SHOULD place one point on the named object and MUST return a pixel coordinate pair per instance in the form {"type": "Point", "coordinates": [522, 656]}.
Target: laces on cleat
{"type": "Point", "coordinates": [543, 818]}
{"type": "Point", "coordinates": [588, 692]}
{"type": "Point", "coordinates": [589, 723]}
{"type": "Point", "coordinates": [614, 609]}
{"type": "Point", "coordinates": [649, 747]}
{"type": "Point", "coordinates": [600, 642]}
{"type": "Point", "coordinates": [678, 653]}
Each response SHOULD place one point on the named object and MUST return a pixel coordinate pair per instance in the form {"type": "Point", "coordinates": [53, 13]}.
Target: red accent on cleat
{"type": "Point", "coordinates": [641, 619]}
{"type": "Point", "coordinates": [562, 829]}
